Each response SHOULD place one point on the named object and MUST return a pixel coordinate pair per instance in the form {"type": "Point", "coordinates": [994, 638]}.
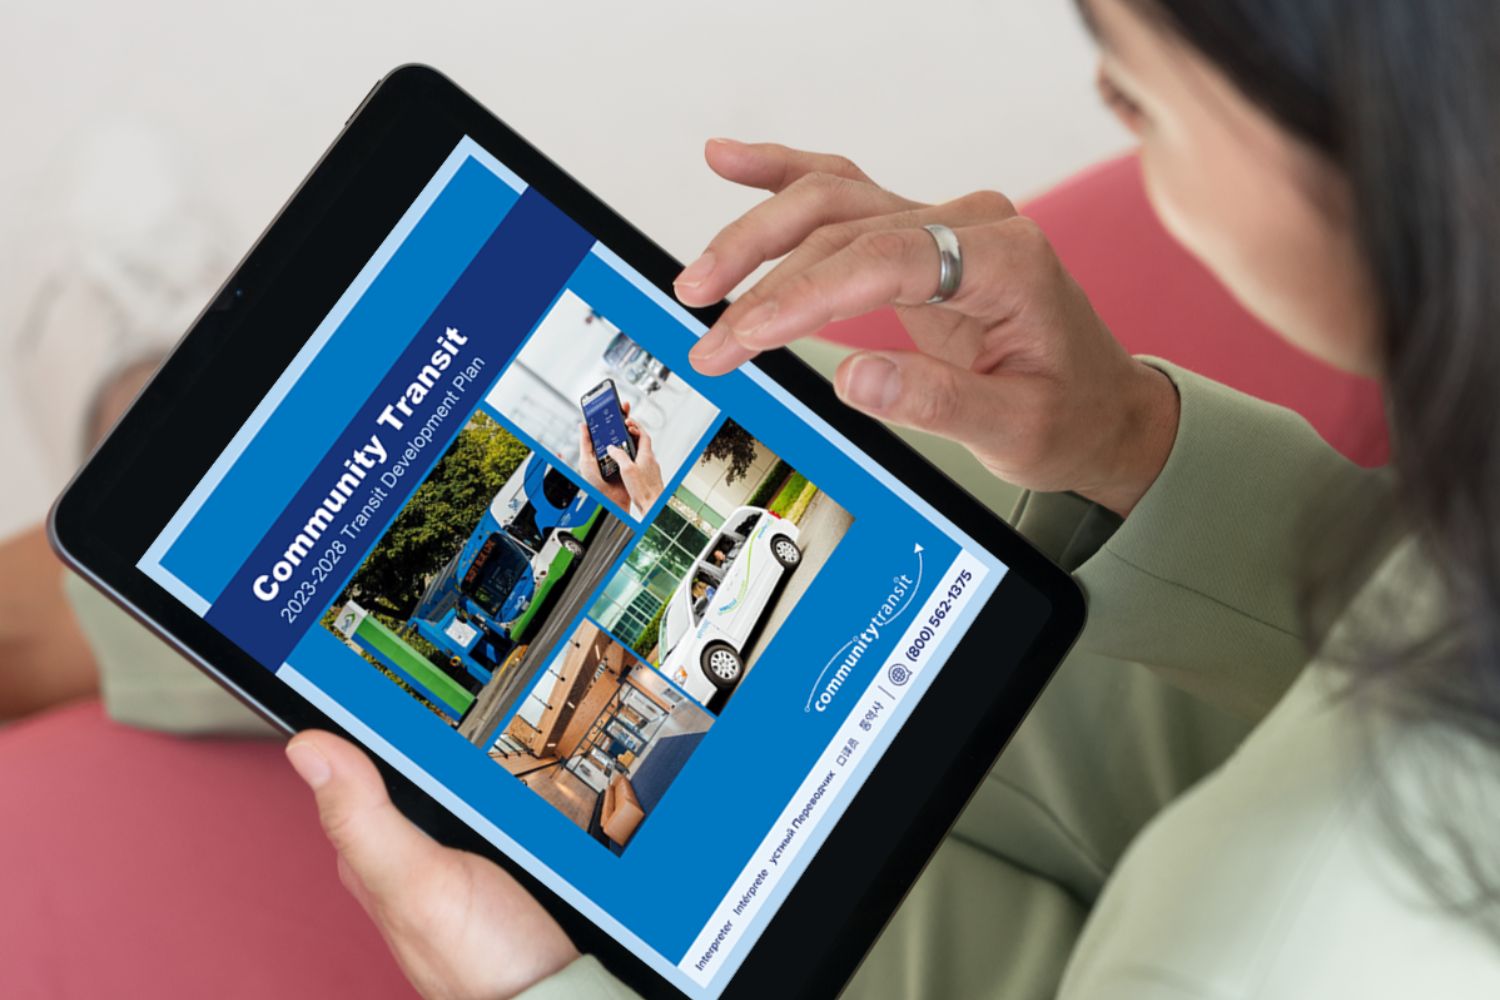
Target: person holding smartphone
{"type": "Point", "coordinates": [625, 469]}
{"type": "Point", "coordinates": [1335, 163]}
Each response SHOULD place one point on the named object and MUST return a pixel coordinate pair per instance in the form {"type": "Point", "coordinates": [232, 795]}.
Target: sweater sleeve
{"type": "Point", "coordinates": [1218, 577]}
{"type": "Point", "coordinates": [144, 682]}
{"type": "Point", "coordinates": [584, 979]}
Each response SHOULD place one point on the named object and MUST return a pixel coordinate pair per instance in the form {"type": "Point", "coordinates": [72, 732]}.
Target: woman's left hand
{"type": "Point", "coordinates": [460, 927]}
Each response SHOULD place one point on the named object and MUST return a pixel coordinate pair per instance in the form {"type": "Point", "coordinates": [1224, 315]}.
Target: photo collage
{"type": "Point", "coordinates": [590, 572]}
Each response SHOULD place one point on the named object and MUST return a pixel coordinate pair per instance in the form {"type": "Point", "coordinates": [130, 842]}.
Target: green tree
{"type": "Point", "coordinates": [734, 445]}
{"type": "Point", "coordinates": [438, 518]}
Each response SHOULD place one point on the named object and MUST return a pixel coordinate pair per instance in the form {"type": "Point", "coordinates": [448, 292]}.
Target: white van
{"type": "Point", "coordinates": [716, 610]}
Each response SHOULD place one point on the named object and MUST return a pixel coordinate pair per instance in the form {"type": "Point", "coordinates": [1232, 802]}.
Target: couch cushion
{"type": "Point", "coordinates": [141, 865]}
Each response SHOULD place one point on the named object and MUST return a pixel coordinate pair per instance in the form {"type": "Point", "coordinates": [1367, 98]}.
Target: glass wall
{"type": "Point", "coordinates": [637, 593]}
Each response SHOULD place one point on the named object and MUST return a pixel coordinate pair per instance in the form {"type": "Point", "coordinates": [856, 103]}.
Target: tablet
{"type": "Point", "coordinates": [713, 690]}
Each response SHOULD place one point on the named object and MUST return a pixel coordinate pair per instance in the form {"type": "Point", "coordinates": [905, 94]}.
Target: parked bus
{"type": "Point", "coordinates": [486, 602]}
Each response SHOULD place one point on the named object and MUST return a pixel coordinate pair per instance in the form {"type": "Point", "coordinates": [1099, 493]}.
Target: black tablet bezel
{"type": "Point", "coordinates": [304, 260]}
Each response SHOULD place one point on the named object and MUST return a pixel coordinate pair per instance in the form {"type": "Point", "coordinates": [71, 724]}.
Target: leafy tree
{"type": "Point", "coordinates": [733, 444]}
{"type": "Point", "coordinates": [438, 518]}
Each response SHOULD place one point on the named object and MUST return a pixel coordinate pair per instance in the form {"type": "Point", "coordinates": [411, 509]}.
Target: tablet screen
{"type": "Point", "coordinates": [656, 690]}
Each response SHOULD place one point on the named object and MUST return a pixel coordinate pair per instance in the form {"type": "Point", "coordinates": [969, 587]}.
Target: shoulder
{"type": "Point", "coordinates": [1275, 878]}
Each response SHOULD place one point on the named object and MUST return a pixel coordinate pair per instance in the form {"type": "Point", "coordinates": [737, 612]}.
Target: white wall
{"type": "Point", "coordinates": [933, 99]}
{"type": "Point", "coordinates": [707, 482]}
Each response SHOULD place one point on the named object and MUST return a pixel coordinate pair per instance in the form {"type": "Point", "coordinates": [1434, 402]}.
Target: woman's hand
{"type": "Point", "coordinates": [1016, 365]}
{"type": "Point", "coordinates": [639, 482]}
{"type": "Point", "coordinates": [641, 475]}
{"type": "Point", "coordinates": [459, 926]}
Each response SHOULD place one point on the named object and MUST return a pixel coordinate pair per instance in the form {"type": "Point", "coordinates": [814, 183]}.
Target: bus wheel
{"type": "Point", "coordinates": [785, 550]}
{"type": "Point", "coordinates": [571, 543]}
{"type": "Point", "coordinates": [722, 665]}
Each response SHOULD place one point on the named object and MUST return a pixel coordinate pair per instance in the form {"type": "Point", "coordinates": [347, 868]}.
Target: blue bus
{"type": "Point", "coordinates": [491, 596]}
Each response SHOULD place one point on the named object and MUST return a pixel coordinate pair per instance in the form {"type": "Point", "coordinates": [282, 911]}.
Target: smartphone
{"type": "Point", "coordinates": [605, 419]}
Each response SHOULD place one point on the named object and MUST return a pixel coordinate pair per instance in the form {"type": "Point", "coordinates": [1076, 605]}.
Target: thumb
{"type": "Point", "coordinates": [375, 842]}
{"type": "Point", "coordinates": [643, 447]}
{"type": "Point", "coordinates": [922, 392]}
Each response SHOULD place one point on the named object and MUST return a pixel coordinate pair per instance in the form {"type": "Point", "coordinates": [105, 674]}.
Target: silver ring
{"type": "Point", "coordinates": [950, 262]}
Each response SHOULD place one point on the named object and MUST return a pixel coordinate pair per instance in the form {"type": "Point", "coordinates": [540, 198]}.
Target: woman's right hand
{"type": "Point", "coordinates": [1016, 365]}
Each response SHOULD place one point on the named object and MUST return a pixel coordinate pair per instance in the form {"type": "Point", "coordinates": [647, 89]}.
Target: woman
{"type": "Point", "coordinates": [1335, 162]}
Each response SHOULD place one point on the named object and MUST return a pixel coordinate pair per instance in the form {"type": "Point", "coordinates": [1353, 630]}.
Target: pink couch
{"type": "Point", "coordinates": [139, 865]}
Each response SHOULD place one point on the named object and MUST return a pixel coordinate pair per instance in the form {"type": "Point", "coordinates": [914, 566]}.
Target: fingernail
{"type": "Point", "coordinates": [873, 383]}
{"type": "Point", "coordinates": [309, 763]}
{"type": "Point", "coordinates": [754, 322]}
{"type": "Point", "coordinates": [719, 141]}
{"type": "Point", "coordinates": [692, 276]}
{"type": "Point", "coordinates": [709, 344]}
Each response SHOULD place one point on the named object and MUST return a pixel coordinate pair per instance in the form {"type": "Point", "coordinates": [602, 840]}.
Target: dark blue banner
{"type": "Point", "coordinates": [384, 453]}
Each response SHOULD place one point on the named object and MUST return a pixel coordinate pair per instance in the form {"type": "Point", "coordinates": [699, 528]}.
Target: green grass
{"type": "Point", "coordinates": [798, 509]}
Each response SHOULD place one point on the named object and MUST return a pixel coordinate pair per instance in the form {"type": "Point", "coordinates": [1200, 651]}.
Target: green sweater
{"type": "Point", "coordinates": [1193, 809]}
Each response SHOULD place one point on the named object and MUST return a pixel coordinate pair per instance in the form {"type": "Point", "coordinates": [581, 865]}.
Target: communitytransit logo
{"type": "Point", "coordinates": [836, 672]}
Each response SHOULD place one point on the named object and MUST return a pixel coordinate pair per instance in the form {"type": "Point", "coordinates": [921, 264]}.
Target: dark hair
{"type": "Point", "coordinates": [1399, 96]}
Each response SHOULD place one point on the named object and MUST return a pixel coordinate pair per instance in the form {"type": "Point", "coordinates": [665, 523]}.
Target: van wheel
{"type": "Point", "coordinates": [722, 665]}
{"type": "Point", "coordinates": [571, 543]}
{"type": "Point", "coordinates": [785, 550]}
